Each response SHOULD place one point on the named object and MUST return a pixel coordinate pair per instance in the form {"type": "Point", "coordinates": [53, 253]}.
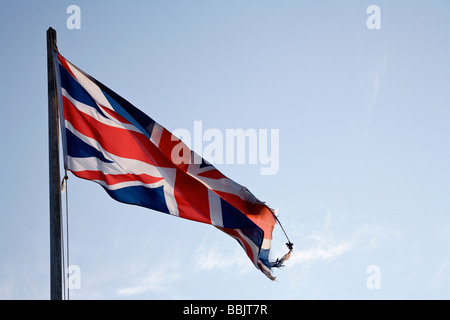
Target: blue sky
{"type": "Point", "coordinates": [363, 118]}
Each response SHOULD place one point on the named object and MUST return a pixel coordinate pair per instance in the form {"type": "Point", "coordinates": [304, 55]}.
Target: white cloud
{"type": "Point", "coordinates": [321, 241]}
{"type": "Point", "coordinates": [152, 277]}
{"type": "Point", "coordinates": [325, 248]}
{"type": "Point", "coordinates": [373, 90]}
{"type": "Point", "coordinates": [219, 256]}
{"type": "Point", "coordinates": [370, 236]}
{"type": "Point", "coordinates": [442, 274]}
{"type": "Point", "coordinates": [154, 281]}
{"type": "Point", "coordinates": [324, 239]}
{"type": "Point", "coordinates": [7, 285]}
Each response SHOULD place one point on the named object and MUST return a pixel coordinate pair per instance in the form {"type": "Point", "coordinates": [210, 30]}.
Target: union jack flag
{"type": "Point", "coordinates": [137, 161]}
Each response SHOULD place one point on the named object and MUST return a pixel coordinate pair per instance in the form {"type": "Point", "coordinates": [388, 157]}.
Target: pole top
{"type": "Point", "coordinates": [51, 38]}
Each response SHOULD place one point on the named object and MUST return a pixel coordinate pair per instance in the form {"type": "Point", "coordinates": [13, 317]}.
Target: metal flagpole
{"type": "Point", "coordinates": [54, 176]}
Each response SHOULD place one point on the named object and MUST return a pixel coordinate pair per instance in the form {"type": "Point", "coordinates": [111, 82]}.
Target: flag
{"type": "Point", "coordinates": [137, 161]}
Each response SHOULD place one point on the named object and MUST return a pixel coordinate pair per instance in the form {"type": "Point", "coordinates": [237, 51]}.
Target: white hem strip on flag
{"type": "Point", "coordinates": [215, 209]}
{"type": "Point", "coordinates": [156, 134]}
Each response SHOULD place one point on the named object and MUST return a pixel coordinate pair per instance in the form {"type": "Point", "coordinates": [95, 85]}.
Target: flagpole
{"type": "Point", "coordinates": [54, 175]}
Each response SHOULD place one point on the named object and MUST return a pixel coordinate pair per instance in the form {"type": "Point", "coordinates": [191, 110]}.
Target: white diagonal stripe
{"type": "Point", "coordinates": [215, 209]}
{"type": "Point", "coordinates": [90, 111]}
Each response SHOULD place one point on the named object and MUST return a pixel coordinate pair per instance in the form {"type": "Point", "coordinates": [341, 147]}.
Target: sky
{"type": "Point", "coordinates": [362, 184]}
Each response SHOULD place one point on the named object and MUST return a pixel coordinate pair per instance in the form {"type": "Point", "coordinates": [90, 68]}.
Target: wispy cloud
{"type": "Point", "coordinates": [325, 247]}
{"type": "Point", "coordinates": [144, 277]}
{"type": "Point", "coordinates": [157, 280]}
{"type": "Point", "coordinates": [219, 256]}
{"type": "Point", "coordinates": [442, 274]}
{"type": "Point", "coordinates": [373, 89]}
{"type": "Point", "coordinates": [323, 239]}
{"type": "Point", "coordinates": [7, 284]}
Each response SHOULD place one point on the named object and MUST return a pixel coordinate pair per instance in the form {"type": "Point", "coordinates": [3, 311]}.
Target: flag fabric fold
{"type": "Point", "coordinates": [137, 161]}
